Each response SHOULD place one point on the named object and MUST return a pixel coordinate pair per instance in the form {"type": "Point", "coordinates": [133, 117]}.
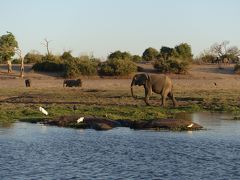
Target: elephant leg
{"type": "Point", "coordinates": [161, 100]}
{"type": "Point", "coordinates": [147, 95]}
{"type": "Point", "coordinates": [170, 95]}
{"type": "Point", "coordinates": [164, 96]}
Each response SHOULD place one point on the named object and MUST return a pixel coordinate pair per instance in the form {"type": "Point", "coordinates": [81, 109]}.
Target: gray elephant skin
{"type": "Point", "coordinates": [72, 83]}
{"type": "Point", "coordinates": [157, 83]}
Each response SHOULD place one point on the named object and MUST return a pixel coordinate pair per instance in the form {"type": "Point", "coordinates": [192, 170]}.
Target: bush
{"type": "Point", "coordinates": [16, 61]}
{"type": "Point", "coordinates": [171, 66]}
{"type": "Point", "coordinates": [237, 68]}
{"type": "Point", "coordinates": [71, 67]}
{"type": "Point", "coordinates": [117, 67]}
{"type": "Point", "coordinates": [52, 58]}
{"type": "Point", "coordinates": [87, 67]}
{"type": "Point", "coordinates": [48, 66]}
{"type": "Point", "coordinates": [120, 55]}
{"type": "Point", "coordinates": [207, 58]}
{"type": "Point", "coordinates": [136, 58]}
{"type": "Point", "coordinates": [33, 58]}
{"type": "Point", "coordinates": [76, 67]}
{"type": "Point", "coordinates": [150, 54]}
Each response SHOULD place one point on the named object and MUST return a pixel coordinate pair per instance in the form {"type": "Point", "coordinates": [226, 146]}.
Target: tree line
{"type": "Point", "coordinates": [165, 60]}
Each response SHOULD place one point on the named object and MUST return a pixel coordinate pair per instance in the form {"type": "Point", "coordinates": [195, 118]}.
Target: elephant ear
{"type": "Point", "coordinates": [143, 79]}
{"type": "Point", "coordinates": [148, 81]}
{"type": "Point", "coordinates": [147, 77]}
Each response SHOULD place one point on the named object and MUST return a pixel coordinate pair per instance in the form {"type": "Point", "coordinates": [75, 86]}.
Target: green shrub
{"type": "Point", "coordinates": [171, 66]}
{"type": "Point", "coordinates": [71, 69]}
{"type": "Point", "coordinates": [117, 67]}
{"type": "Point", "coordinates": [87, 67]}
{"type": "Point", "coordinates": [33, 58]}
{"type": "Point", "coordinates": [48, 66]}
{"type": "Point", "coordinates": [136, 58]}
{"type": "Point", "coordinates": [76, 67]}
{"type": "Point", "coordinates": [207, 58]}
{"type": "Point", "coordinates": [120, 55]}
{"type": "Point", "coordinates": [237, 68]}
{"type": "Point", "coordinates": [16, 61]}
{"type": "Point", "coordinates": [52, 58]}
{"type": "Point", "coordinates": [66, 55]}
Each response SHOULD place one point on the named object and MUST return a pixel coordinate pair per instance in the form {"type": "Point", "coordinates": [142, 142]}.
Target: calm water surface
{"type": "Point", "coordinates": [34, 151]}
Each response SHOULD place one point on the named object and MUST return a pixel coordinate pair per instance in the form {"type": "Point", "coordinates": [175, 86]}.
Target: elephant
{"type": "Point", "coordinates": [160, 84]}
{"type": "Point", "coordinates": [72, 83]}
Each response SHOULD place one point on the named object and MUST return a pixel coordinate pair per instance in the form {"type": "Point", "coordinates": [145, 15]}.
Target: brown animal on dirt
{"type": "Point", "coordinates": [160, 84]}
{"type": "Point", "coordinates": [28, 83]}
{"type": "Point", "coordinates": [72, 83]}
{"type": "Point", "coordinates": [226, 61]}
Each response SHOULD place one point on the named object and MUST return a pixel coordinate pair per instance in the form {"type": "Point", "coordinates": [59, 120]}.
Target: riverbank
{"type": "Point", "coordinates": [81, 122]}
{"type": "Point", "coordinates": [111, 104]}
{"type": "Point", "coordinates": [205, 88]}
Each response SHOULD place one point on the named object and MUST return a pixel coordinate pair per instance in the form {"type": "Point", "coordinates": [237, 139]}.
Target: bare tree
{"type": "Point", "coordinates": [221, 51]}
{"type": "Point", "coordinates": [46, 44]}
{"type": "Point", "coordinates": [19, 53]}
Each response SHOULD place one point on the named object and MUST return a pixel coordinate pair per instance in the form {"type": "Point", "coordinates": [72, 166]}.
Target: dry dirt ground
{"type": "Point", "coordinates": [200, 77]}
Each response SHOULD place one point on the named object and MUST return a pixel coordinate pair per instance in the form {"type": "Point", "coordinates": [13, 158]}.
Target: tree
{"type": "Point", "coordinates": [166, 52]}
{"type": "Point", "coordinates": [67, 55]}
{"type": "Point", "coordinates": [19, 53]}
{"type": "Point", "coordinates": [117, 67]}
{"type": "Point", "coordinates": [233, 53]}
{"type": "Point", "coordinates": [222, 51]}
{"type": "Point", "coordinates": [8, 45]}
{"type": "Point", "coordinates": [33, 57]}
{"type": "Point", "coordinates": [219, 49]}
{"type": "Point", "coordinates": [136, 58]}
{"type": "Point", "coordinates": [46, 44]}
{"type": "Point", "coordinates": [150, 54]}
{"type": "Point", "coordinates": [183, 51]}
{"type": "Point", "coordinates": [120, 55]}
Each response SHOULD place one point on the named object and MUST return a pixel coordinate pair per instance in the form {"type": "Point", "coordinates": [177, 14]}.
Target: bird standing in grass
{"type": "Point", "coordinates": [74, 108]}
{"type": "Point", "coordinates": [43, 110]}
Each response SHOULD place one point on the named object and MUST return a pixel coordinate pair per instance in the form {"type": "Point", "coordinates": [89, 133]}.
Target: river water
{"type": "Point", "coordinates": [34, 151]}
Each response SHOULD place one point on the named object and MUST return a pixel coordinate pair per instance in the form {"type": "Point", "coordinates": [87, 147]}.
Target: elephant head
{"type": "Point", "coordinates": [139, 80]}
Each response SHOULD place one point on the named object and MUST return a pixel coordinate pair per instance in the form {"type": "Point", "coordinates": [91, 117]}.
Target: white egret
{"type": "Point", "coordinates": [80, 119]}
{"type": "Point", "coordinates": [43, 111]}
{"type": "Point", "coordinates": [191, 125]}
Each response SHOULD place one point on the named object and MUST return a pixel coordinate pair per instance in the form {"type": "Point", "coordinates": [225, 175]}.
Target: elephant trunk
{"type": "Point", "coordinates": [132, 89]}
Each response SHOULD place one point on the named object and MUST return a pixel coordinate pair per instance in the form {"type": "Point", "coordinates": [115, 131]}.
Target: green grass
{"type": "Point", "coordinates": [112, 104]}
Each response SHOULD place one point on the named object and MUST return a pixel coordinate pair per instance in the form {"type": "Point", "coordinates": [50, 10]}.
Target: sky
{"type": "Point", "coordinates": [100, 27]}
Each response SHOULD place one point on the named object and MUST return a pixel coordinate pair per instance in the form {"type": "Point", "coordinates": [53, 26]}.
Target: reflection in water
{"type": "Point", "coordinates": [186, 116]}
{"type": "Point", "coordinates": [6, 125]}
{"type": "Point", "coordinates": [34, 151]}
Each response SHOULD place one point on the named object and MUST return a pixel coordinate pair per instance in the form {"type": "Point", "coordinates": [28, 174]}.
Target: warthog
{"type": "Point", "coordinates": [28, 83]}
{"type": "Point", "coordinates": [72, 83]}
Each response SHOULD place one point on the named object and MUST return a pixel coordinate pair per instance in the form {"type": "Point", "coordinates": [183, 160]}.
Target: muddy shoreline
{"type": "Point", "coordinates": [107, 124]}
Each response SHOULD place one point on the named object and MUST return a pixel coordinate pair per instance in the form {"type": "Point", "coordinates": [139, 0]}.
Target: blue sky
{"type": "Point", "coordinates": [103, 26]}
